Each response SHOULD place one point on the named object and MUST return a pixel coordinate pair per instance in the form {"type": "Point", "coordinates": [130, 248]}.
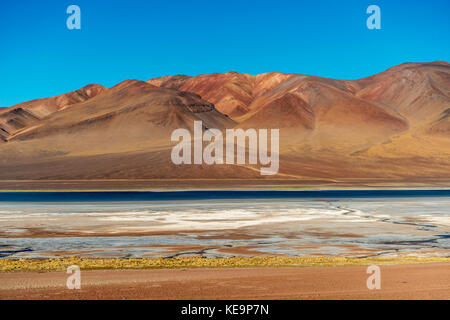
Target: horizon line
{"type": "Point", "coordinates": [437, 62]}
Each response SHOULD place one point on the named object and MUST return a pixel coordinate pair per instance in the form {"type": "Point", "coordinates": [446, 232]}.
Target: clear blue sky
{"type": "Point", "coordinates": [142, 39]}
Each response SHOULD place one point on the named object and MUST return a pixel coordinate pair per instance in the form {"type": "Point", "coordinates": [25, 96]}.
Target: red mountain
{"type": "Point", "coordinates": [393, 126]}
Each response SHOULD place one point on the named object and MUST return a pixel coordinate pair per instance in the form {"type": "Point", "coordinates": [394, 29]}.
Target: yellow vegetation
{"type": "Point", "coordinates": [44, 265]}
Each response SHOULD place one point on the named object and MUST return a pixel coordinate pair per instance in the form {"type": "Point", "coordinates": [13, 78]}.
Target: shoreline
{"type": "Point", "coordinates": [217, 194]}
{"type": "Point", "coordinates": [217, 184]}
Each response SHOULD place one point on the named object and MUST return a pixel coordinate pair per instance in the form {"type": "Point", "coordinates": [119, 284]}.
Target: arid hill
{"type": "Point", "coordinates": [24, 115]}
{"type": "Point", "coordinates": [392, 126]}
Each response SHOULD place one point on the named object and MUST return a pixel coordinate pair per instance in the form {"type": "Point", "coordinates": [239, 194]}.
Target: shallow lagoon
{"type": "Point", "coordinates": [355, 223]}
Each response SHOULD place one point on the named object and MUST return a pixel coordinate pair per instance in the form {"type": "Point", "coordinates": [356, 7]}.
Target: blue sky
{"type": "Point", "coordinates": [142, 39]}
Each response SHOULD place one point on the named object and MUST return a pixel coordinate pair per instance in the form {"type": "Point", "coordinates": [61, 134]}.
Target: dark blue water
{"type": "Point", "coordinates": [102, 196]}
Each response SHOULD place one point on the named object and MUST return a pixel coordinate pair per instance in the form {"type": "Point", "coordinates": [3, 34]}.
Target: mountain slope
{"type": "Point", "coordinates": [420, 92]}
{"type": "Point", "coordinates": [17, 118]}
{"type": "Point", "coordinates": [132, 115]}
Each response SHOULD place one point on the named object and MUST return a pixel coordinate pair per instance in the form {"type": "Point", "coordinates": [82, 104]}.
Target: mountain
{"type": "Point", "coordinates": [231, 92]}
{"type": "Point", "coordinates": [312, 110]}
{"type": "Point", "coordinates": [23, 115]}
{"type": "Point", "coordinates": [392, 126]}
{"type": "Point", "coordinates": [132, 112]}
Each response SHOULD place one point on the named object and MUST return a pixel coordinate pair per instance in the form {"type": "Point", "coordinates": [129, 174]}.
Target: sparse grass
{"type": "Point", "coordinates": [60, 264]}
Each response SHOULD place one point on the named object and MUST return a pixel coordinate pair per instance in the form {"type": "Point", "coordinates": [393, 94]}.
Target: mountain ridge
{"type": "Point", "coordinates": [392, 125]}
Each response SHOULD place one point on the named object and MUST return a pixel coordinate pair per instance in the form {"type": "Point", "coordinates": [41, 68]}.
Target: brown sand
{"type": "Point", "coordinates": [216, 184]}
{"type": "Point", "coordinates": [408, 281]}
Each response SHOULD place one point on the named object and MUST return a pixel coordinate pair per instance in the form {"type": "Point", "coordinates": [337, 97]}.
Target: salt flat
{"type": "Point", "coordinates": [364, 227]}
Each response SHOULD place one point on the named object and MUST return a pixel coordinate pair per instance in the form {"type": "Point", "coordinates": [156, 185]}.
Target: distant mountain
{"type": "Point", "coordinates": [394, 126]}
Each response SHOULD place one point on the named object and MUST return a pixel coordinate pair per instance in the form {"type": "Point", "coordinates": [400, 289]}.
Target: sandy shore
{"type": "Point", "coordinates": [403, 281]}
{"type": "Point", "coordinates": [218, 184]}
